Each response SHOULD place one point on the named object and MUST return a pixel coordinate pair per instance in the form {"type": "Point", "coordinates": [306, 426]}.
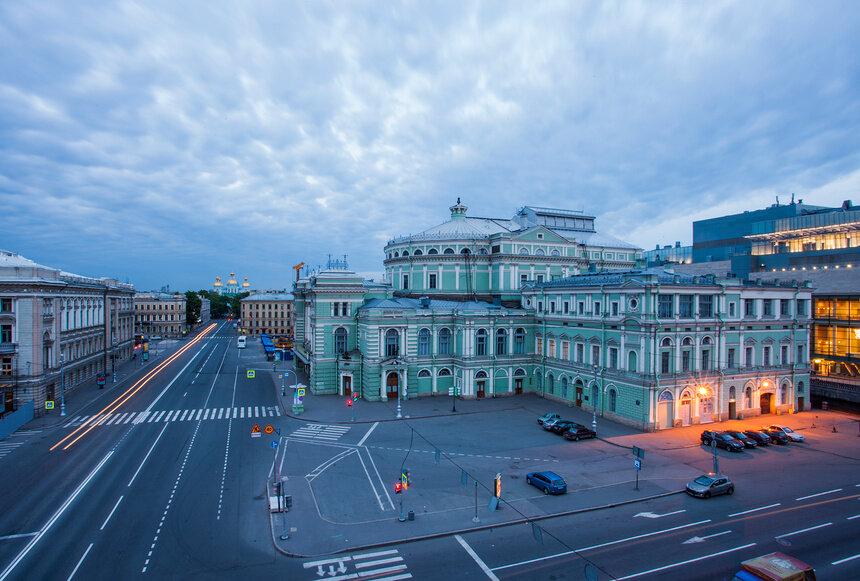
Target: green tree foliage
{"type": "Point", "coordinates": [193, 305]}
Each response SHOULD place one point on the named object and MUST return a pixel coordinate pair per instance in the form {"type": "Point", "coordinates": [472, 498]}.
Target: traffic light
{"type": "Point", "coordinates": [354, 396]}
{"type": "Point", "coordinates": [398, 487]}
{"type": "Point", "coordinates": [349, 402]}
{"type": "Point", "coordinates": [277, 488]}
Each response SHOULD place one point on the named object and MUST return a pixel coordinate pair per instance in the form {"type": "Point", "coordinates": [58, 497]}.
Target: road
{"type": "Point", "coordinates": [170, 485]}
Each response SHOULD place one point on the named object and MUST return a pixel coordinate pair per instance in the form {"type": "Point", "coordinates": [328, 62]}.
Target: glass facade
{"type": "Point", "coordinates": [836, 337]}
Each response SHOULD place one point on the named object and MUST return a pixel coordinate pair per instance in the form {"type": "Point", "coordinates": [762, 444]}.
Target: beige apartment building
{"type": "Point", "coordinates": [57, 331]}
{"type": "Point", "coordinates": [267, 314]}
{"type": "Point", "coordinates": [160, 314]}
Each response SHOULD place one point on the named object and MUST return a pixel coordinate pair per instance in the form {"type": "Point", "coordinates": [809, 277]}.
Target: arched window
{"type": "Point", "coordinates": [550, 383]}
{"type": "Point", "coordinates": [481, 375]}
{"type": "Point", "coordinates": [519, 372]}
{"type": "Point", "coordinates": [687, 342]}
{"type": "Point", "coordinates": [783, 394]}
{"type": "Point", "coordinates": [445, 342]}
{"type": "Point", "coordinates": [748, 398]}
{"type": "Point", "coordinates": [564, 387]}
{"type": "Point", "coordinates": [423, 373]}
{"type": "Point", "coordinates": [340, 341]}
{"type": "Point", "coordinates": [539, 380]}
{"type": "Point", "coordinates": [519, 341]}
{"type": "Point", "coordinates": [524, 250]}
{"type": "Point", "coordinates": [417, 252]}
{"type": "Point", "coordinates": [540, 252]}
{"type": "Point", "coordinates": [432, 251]}
{"type": "Point", "coordinates": [465, 251]}
{"type": "Point", "coordinates": [481, 342]}
{"type": "Point", "coordinates": [482, 251]}
{"type": "Point", "coordinates": [396, 254]}
{"type": "Point", "coordinates": [555, 253]}
{"type": "Point", "coordinates": [501, 342]}
{"type": "Point", "coordinates": [613, 398]}
{"type": "Point", "coordinates": [444, 372]}
{"type": "Point", "coordinates": [666, 342]}
{"type": "Point", "coordinates": [405, 253]}
{"type": "Point", "coordinates": [392, 343]}
{"type": "Point", "coordinates": [448, 251]}
{"type": "Point", "coordinates": [424, 342]}
{"type": "Point", "coordinates": [706, 341]}
{"type": "Point", "coordinates": [631, 361]}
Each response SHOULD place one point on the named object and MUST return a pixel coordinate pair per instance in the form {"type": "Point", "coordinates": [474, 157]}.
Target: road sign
{"type": "Point", "coordinates": [49, 405]}
{"type": "Point", "coordinates": [301, 391]}
{"type": "Point", "coordinates": [274, 443]}
{"type": "Point", "coordinates": [255, 431]}
{"type": "Point", "coordinates": [250, 374]}
{"type": "Point", "coordinates": [100, 378]}
{"type": "Point", "coordinates": [638, 452]}
{"type": "Point", "coordinates": [269, 429]}
{"type": "Point", "coordinates": [637, 463]}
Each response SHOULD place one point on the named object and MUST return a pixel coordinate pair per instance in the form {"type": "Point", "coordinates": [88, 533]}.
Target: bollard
{"type": "Point", "coordinates": [411, 515]}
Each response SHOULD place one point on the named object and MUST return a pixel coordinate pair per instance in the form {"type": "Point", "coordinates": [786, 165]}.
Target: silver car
{"type": "Point", "coordinates": [792, 435]}
{"type": "Point", "coordinates": [710, 484]}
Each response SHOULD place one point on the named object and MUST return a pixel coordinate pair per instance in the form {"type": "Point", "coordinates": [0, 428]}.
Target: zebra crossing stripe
{"type": "Point", "coordinates": [141, 417]}
{"type": "Point", "coordinates": [130, 417]}
{"type": "Point", "coordinates": [278, 412]}
{"type": "Point", "coordinates": [220, 412]}
{"type": "Point", "coordinates": [241, 412]}
{"type": "Point", "coordinates": [200, 411]}
{"type": "Point", "coordinates": [184, 413]}
{"type": "Point", "coordinates": [249, 411]}
{"type": "Point", "coordinates": [206, 415]}
{"type": "Point", "coordinates": [256, 412]}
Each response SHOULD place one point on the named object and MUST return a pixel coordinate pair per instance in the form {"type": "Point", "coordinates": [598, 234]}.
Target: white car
{"type": "Point", "coordinates": [792, 435]}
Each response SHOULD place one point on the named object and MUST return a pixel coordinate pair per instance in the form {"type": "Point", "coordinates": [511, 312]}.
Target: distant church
{"type": "Point", "coordinates": [232, 287]}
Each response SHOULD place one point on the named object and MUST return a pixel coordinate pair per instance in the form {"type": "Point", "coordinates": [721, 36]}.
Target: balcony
{"type": "Point", "coordinates": [7, 348]}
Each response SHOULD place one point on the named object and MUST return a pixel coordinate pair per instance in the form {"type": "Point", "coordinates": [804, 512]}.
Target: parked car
{"type": "Point", "coordinates": [778, 436]}
{"type": "Point", "coordinates": [560, 426]}
{"type": "Point", "coordinates": [549, 482]}
{"type": "Point", "coordinates": [743, 438]}
{"type": "Point", "coordinates": [722, 440]}
{"type": "Point", "coordinates": [761, 438]}
{"type": "Point", "coordinates": [792, 435]}
{"type": "Point", "coordinates": [710, 484]}
{"type": "Point", "coordinates": [579, 432]}
{"type": "Point", "coordinates": [548, 416]}
{"type": "Point", "coordinates": [547, 425]}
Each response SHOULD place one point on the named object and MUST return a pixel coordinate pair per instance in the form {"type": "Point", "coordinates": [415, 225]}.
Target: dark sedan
{"type": "Point", "coordinates": [760, 437]}
{"type": "Point", "coordinates": [743, 438]}
{"type": "Point", "coordinates": [722, 440]}
{"type": "Point", "coordinates": [777, 436]}
{"type": "Point", "coordinates": [561, 426]}
{"type": "Point", "coordinates": [579, 432]}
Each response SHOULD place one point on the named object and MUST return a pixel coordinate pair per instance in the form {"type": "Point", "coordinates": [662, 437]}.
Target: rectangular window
{"type": "Point", "coordinates": [6, 305]}
{"type": "Point", "coordinates": [801, 307]}
{"type": "Point", "coordinates": [523, 278]}
{"type": "Point", "coordinates": [5, 333]}
{"type": "Point", "coordinates": [580, 352]}
{"type": "Point", "coordinates": [566, 307]}
{"type": "Point", "coordinates": [664, 307]}
{"type": "Point", "coordinates": [538, 346]}
{"type": "Point", "coordinates": [595, 355]}
{"type": "Point", "coordinates": [766, 357]}
{"type": "Point", "coordinates": [596, 309]}
{"type": "Point", "coordinates": [540, 278]}
{"type": "Point", "coordinates": [800, 353]}
{"type": "Point", "coordinates": [706, 359]}
{"type": "Point", "coordinates": [344, 309]}
{"type": "Point", "coordinates": [519, 342]}
{"type": "Point", "coordinates": [768, 307]}
{"type": "Point", "coordinates": [664, 361]}
{"type": "Point", "coordinates": [731, 309]}
{"type": "Point", "coordinates": [748, 353]}
{"type": "Point", "coordinates": [613, 358]}
{"type": "Point", "coordinates": [431, 283]}
{"type": "Point", "coordinates": [730, 358]}
{"type": "Point", "coordinates": [749, 307]}
{"type": "Point", "coordinates": [685, 361]}
{"type": "Point", "coordinates": [615, 309]}
{"type": "Point", "coordinates": [685, 306]}
{"type": "Point", "coordinates": [405, 282]}
{"type": "Point", "coordinates": [334, 309]}
{"type": "Point", "coordinates": [783, 354]}
{"type": "Point", "coordinates": [540, 306]}
{"type": "Point", "coordinates": [706, 306]}
{"type": "Point", "coordinates": [784, 307]}
{"type": "Point", "coordinates": [550, 348]}
{"type": "Point", "coordinates": [552, 306]}
{"type": "Point", "coordinates": [580, 307]}
{"type": "Point", "coordinates": [565, 350]}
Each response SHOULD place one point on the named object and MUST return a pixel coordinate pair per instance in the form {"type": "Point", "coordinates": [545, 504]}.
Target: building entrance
{"type": "Point", "coordinates": [766, 403]}
{"type": "Point", "coordinates": [347, 385]}
{"type": "Point", "coordinates": [579, 396]}
{"type": "Point", "coordinates": [481, 385]}
{"type": "Point", "coordinates": [518, 385]}
{"type": "Point", "coordinates": [392, 382]}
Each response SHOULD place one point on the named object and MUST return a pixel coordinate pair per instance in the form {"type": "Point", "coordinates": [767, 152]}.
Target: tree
{"type": "Point", "coordinates": [219, 306]}
{"type": "Point", "coordinates": [193, 305]}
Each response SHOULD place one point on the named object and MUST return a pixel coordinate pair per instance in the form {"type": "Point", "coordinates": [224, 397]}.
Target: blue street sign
{"type": "Point", "coordinates": [274, 443]}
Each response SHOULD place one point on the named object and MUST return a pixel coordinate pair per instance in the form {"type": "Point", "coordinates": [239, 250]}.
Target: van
{"type": "Point", "coordinates": [242, 341]}
{"type": "Point", "coordinates": [775, 567]}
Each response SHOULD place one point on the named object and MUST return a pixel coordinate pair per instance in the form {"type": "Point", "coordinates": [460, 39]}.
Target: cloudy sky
{"type": "Point", "coordinates": [166, 142]}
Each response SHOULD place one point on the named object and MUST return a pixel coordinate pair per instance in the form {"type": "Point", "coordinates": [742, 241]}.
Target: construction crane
{"type": "Point", "coordinates": [298, 267]}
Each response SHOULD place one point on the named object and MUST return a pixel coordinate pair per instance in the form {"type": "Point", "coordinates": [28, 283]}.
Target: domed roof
{"type": "Point", "coordinates": [232, 280]}
{"type": "Point", "coordinates": [246, 283]}
{"type": "Point", "coordinates": [461, 226]}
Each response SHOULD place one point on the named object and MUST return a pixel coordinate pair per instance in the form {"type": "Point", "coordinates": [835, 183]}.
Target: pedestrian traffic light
{"type": "Point", "coordinates": [349, 402]}
{"type": "Point", "coordinates": [497, 488]}
{"type": "Point", "coordinates": [398, 486]}
{"type": "Point", "coordinates": [404, 478]}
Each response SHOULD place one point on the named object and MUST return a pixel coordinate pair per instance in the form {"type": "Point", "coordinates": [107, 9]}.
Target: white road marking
{"type": "Point", "coordinates": [101, 528]}
{"type": "Point", "coordinates": [477, 559]}
{"type": "Point", "coordinates": [819, 494]}
{"type": "Point", "coordinates": [87, 552]}
{"type": "Point", "coordinates": [373, 427]}
{"type": "Point", "coordinates": [839, 562]}
{"type": "Point", "coordinates": [685, 562]}
{"type": "Point", "coordinates": [654, 515]}
{"type": "Point", "coordinates": [803, 530]}
{"type": "Point", "coordinates": [756, 509]}
{"type": "Point", "coordinates": [147, 455]}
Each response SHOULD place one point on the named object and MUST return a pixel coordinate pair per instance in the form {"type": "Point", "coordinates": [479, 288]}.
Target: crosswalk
{"type": "Point", "coordinates": [187, 415]}
{"type": "Point", "coordinates": [8, 447]}
{"type": "Point", "coordinates": [320, 432]}
{"type": "Point", "coordinates": [379, 565]}
{"type": "Point", "coordinates": [13, 442]}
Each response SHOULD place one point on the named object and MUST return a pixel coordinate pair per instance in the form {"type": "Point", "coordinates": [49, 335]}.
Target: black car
{"type": "Point", "coordinates": [761, 438]}
{"type": "Point", "coordinates": [777, 436]}
{"type": "Point", "coordinates": [579, 432]}
{"type": "Point", "coordinates": [561, 426]}
{"type": "Point", "coordinates": [743, 438]}
{"type": "Point", "coordinates": [722, 440]}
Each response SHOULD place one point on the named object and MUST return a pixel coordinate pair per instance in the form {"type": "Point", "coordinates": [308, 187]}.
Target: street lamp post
{"type": "Point", "coordinates": [595, 394]}
{"type": "Point", "coordinates": [63, 389]}
{"type": "Point", "coordinates": [399, 415]}
{"type": "Point", "coordinates": [113, 360]}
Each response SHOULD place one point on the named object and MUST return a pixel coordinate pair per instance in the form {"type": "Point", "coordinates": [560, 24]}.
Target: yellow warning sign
{"type": "Point", "coordinates": [255, 431]}
{"type": "Point", "coordinates": [250, 374]}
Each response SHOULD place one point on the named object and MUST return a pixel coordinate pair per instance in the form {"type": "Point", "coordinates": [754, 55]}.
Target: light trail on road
{"type": "Point", "coordinates": [85, 428]}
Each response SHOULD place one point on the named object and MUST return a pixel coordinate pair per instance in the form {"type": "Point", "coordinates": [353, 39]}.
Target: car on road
{"type": "Point", "coordinates": [722, 440]}
{"type": "Point", "coordinates": [775, 567]}
{"type": "Point", "coordinates": [548, 424]}
{"type": "Point", "coordinates": [549, 482]}
{"type": "Point", "coordinates": [743, 438]}
{"type": "Point", "coordinates": [710, 484]}
{"type": "Point", "coordinates": [778, 436]}
{"type": "Point", "coordinates": [560, 426]}
{"type": "Point", "coordinates": [579, 432]}
{"type": "Point", "coordinates": [792, 435]}
{"type": "Point", "coordinates": [761, 438]}
{"type": "Point", "coordinates": [548, 416]}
